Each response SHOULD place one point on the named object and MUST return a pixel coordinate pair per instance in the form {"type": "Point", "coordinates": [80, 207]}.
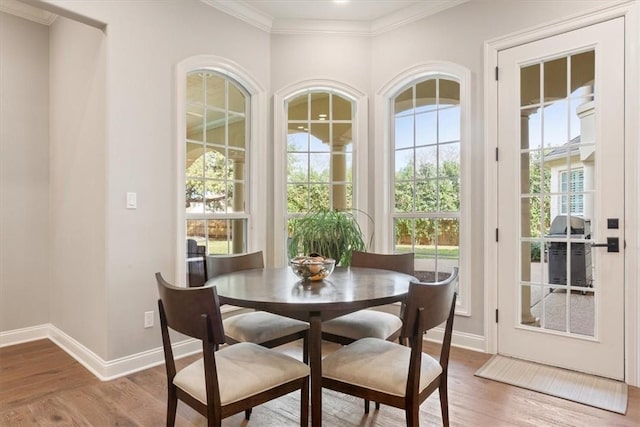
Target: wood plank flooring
{"type": "Point", "coordinates": [40, 385]}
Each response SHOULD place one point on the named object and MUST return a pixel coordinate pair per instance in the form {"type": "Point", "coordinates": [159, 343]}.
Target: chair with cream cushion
{"type": "Point", "coordinates": [227, 381]}
{"type": "Point", "coordinates": [260, 327]}
{"type": "Point", "coordinates": [390, 373]}
{"type": "Point", "coordinates": [370, 322]}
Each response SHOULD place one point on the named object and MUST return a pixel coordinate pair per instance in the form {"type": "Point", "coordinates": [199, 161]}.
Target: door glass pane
{"type": "Point", "coordinates": [555, 124]}
{"type": "Point", "coordinates": [581, 305]}
{"type": "Point", "coordinates": [531, 134]}
{"type": "Point", "coordinates": [530, 85]}
{"type": "Point", "coordinates": [555, 79]}
{"type": "Point", "coordinates": [556, 204]}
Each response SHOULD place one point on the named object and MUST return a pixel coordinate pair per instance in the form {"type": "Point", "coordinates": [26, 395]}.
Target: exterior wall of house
{"type": "Point", "coordinates": [24, 173]}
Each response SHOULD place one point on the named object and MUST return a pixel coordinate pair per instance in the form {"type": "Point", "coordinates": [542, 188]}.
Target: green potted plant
{"type": "Point", "coordinates": [330, 233]}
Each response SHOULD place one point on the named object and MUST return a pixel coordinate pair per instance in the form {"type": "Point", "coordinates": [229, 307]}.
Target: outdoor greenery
{"type": "Point", "coordinates": [539, 185]}
{"type": "Point", "coordinates": [214, 192]}
{"type": "Point", "coordinates": [432, 192]}
{"type": "Point", "coordinates": [422, 191]}
{"type": "Point", "coordinates": [309, 189]}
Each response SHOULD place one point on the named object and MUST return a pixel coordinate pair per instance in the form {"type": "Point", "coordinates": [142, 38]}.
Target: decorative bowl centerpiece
{"type": "Point", "coordinates": [313, 267]}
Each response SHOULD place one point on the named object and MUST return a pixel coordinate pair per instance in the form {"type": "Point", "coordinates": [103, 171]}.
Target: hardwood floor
{"type": "Point", "coordinates": [40, 385]}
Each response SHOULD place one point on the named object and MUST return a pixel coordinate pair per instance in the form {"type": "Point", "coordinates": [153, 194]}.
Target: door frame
{"type": "Point", "coordinates": [629, 10]}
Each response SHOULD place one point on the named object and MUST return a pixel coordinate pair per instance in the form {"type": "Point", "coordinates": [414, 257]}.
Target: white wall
{"type": "Point", "coordinates": [144, 42]}
{"type": "Point", "coordinates": [345, 59]}
{"type": "Point", "coordinates": [78, 182]}
{"type": "Point", "coordinates": [24, 173]}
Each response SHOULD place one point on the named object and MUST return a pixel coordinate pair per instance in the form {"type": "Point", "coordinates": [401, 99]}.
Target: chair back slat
{"type": "Point", "coordinates": [196, 264]}
{"type": "Point", "coordinates": [402, 263]}
{"type": "Point", "coordinates": [184, 307]}
{"type": "Point", "coordinates": [434, 298]}
{"type": "Point", "coordinates": [218, 265]}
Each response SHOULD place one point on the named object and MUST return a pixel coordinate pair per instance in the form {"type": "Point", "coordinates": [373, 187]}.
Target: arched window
{"type": "Point", "coordinates": [425, 150]}
{"type": "Point", "coordinates": [318, 127]}
{"type": "Point", "coordinates": [220, 142]}
{"type": "Point", "coordinates": [319, 152]}
{"type": "Point", "coordinates": [215, 162]}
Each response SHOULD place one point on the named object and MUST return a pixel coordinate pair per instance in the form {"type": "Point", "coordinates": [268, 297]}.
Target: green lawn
{"type": "Point", "coordinates": [424, 251]}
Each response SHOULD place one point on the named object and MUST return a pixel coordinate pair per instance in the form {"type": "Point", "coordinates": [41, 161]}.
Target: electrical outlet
{"type": "Point", "coordinates": [148, 319]}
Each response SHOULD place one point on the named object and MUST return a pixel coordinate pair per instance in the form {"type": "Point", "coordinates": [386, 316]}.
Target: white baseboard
{"type": "Point", "coordinates": [458, 339]}
{"type": "Point", "coordinates": [103, 369]}
{"type": "Point", "coordinates": [18, 336]}
{"type": "Point", "coordinates": [107, 370]}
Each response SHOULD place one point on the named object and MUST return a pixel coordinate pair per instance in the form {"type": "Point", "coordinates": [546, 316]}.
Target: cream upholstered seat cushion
{"type": "Point", "coordinates": [378, 365]}
{"type": "Point", "coordinates": [261, 326]}
{"type": "Point", "coordinates": [363, 324]}
{"type": "Point", "coordinates": [244, 369]}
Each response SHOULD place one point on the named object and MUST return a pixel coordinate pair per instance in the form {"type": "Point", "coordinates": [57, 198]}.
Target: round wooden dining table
{"type": "Point", "coordinates": [280, 291]}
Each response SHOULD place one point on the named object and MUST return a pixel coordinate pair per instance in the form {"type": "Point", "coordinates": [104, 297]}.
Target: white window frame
{"type": "Point", "coordinates": [384, 203]}
{"type": "Point", "coordinates": [360, 157]}
{"type": "Point", "coordinates": [570, 193]}
{"type": "Point", "coordinates": [256, 150]}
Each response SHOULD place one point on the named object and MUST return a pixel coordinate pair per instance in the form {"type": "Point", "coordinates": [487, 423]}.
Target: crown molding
{"type": "Point", "coordinates": [317, 26]}
{"type": "Point", "coordinates": [263, 21]}
{"type": "Point", "coordinates": [22, 10]}
{"type": "Point", "coordinates": [244, 12]}
{"type": "Point", "coordinates": [411, 14]}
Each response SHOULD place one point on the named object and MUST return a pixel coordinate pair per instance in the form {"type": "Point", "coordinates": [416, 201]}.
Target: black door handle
{"type": "Point", "coordinates": [612, 245]}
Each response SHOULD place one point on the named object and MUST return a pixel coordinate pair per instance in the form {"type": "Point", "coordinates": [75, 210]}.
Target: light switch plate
{"type": "Point", "coordinates": [132, 200]}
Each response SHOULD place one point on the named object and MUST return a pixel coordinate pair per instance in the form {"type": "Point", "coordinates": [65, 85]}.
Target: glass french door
{"type": "Point", "coordinates": [561, 200]}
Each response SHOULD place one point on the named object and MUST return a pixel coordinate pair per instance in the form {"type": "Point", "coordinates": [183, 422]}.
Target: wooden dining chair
{"type": "Point", "coordinates": [260, 327]}
{"type": "Point", "coordinates": [370, 322]}
{"type": "Point", "coordinates": [227, 381]}
{"type": "Point", "coordinates": [391, 373]}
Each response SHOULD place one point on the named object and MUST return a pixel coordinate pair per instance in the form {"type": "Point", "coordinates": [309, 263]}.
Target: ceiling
{"type": "Point", "coordinates": [365, 17]}
{"type": "Point", "coordinates": [354, 10]}
{"type": "Point", "coordinates": [360, 17]}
